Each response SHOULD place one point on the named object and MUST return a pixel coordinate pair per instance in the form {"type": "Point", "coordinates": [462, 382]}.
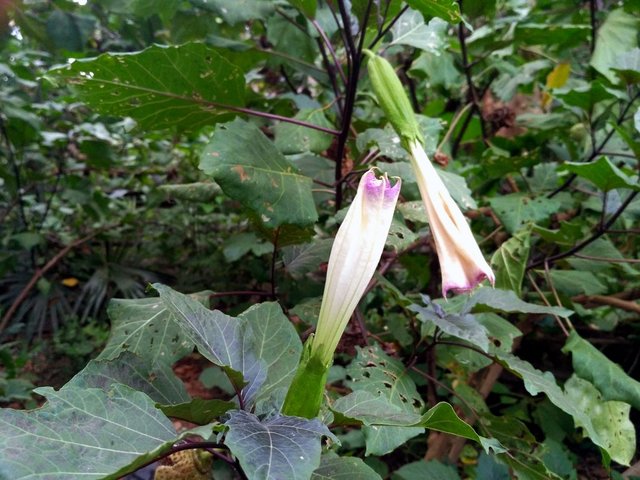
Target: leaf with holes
{"type": "Point", "coordinates": [156, 380]}
{"type": "Point", "coordinates": [378, 374]}
{"type": "Point", "coordinates": [146, 328]}
{"type": "Point", "coordinates": [275, 448]}
{"type": "Point", "coordinates": [182, 87]}
{"type": "Point", "coordinates": [251, 170]}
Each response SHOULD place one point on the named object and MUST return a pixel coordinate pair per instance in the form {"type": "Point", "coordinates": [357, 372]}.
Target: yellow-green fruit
{"type": "Point", "coordinates": [189, 464]}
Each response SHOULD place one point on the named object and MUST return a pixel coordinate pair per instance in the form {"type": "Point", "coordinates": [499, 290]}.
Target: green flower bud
{"type": "Point", "coordinates": [393, 100]}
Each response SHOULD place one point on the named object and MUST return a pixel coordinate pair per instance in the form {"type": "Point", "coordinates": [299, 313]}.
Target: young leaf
{"type": "Point", "coordinates": [275, 448]}
{"type": "Point", "coordinates": [510, 261]}
{"type": "Point", "coordinates": [251, 170]}
{"type": "Point", "coordinates": [160, 87]}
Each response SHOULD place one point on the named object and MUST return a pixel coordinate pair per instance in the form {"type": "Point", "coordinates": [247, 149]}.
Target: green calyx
{"type": "Point", "coordinates": [393, 99]}
{"type": "Point", "coordinates": [306, 392]}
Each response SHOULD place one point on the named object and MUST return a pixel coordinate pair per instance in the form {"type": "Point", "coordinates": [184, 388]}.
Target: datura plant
{"type": "Point", "coordinates": [462, 264]}
{"type": "Point", "coordinates": [354, 257]}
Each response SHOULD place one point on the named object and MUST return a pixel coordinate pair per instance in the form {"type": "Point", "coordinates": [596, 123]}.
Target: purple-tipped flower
{"type": "Point", "coordinates": [354, 257]}
{"type": "Point", "coordinates": [461, 262]}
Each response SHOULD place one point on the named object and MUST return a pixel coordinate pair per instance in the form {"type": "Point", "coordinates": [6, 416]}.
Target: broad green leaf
{"type": "Point", "coordinates": [275, 448]}
{"type": "Point", "coordinates": [290, 138]}
{"type": "Point", "coordinates": [237, 246]}
{"type": "Point", "coordinates": [198, 410]}
{"type": "Point", "coordinates": [500, 330]}
{"type": "Point", "coordinates": [515, 210]}
{"type": "Point", "coordinates": [464, 325]}
{"type": "Point", "coordinates": [372, 409]}
{"type": "Point", "coordinates": [507, 301]}
{"type": "Point", "coordinates": [249, 168]}
{"type": "Point", "coordinates": [146, 328]}
{"type": "Point", "coordinates": [432, 469]}
{"type": "Point", "coordinates": [610, 419]}
{"type": "Point", "coordinates": [488, 467]}
{"type": "Point", "coordinates": [439, 69]}
{"type": "Point", "coordinates": [376, 373]}
{"type": "Point", "coordinates": [155, 379]}
{"type": "Point", "coordinates": [575, 282]}
{"type": "Point", "coordinates": [276, 343]}
{"type": "Point", "coordinates": [586, 96]}
{"type": "Point", "coordinates": [616, 35]}
{"type": "Point", "coordinates": [537, 382]}
{"type": "Point", "coordinates": [400, 236]}
{"type": "Point", "coordinates": [224, 340]}
{"type": "Point", "coordinates": [568, 233]}
{"type": "Point", "coordinates": [411, 30]}
{"type": "Point", "coordinates": [300, 260]}
{"type": "Point", "coordinates": [333, 467]}
{"type": "Point", "coordinates": [591, 364]}
{"type": "Point", "coordinates": [160, 87]}
{"type": "Point", "coordinates": [82, 433]}
{"type": "Point", "coordinates": [446, 9]}
{"type": "Point", "coordinates": [603, 174]}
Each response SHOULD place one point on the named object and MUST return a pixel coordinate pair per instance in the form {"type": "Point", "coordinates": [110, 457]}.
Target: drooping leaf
{"type": "Point", "coordinates": [616, 35]}
{"type": "Point", "coordinates": [446, 9]}
{"type": "Point", "coordinates": [198, 410]}
{"type": "Point", "coordinates": [510, 261]}
{"type": "Point", "coordinates": [146, 328]}
{"type": "Point", "coordinates": [610, 419]}
{"type": "Point", "coordinates": [159, 87]}
{"type": "Point", "coordinates": [155, 379]}
{"type": "Point", "coordinates": [515, 210]}
{"type": "Point", "coordinates": [333, 467]}
{"type": "Point", "coordinates": [464, 325]}
{"type": "Point", "coordinates": [251, 170]}
{"type": "Point", "coordinates": [277, 344]}
{"type": "Point", "coordinates": [591, 364]}
{"type": "Point", "coordinates": [603, 174]}
{"type": "Point", "coordinates": [537, 382]}
{"type": "Point", "coordinates": [222, 339]}
{"type": "Point", "coordinates": [83, 433]}
{"type": "Point", "coordinates": [575, 282]}
{"type": "Point", "coordinates": [275, 448]}
{"type": "Point", "coordinates": [507, 301]}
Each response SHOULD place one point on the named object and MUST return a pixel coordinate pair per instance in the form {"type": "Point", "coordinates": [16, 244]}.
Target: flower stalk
{"type": "Point", "coordinates": [354, 257]}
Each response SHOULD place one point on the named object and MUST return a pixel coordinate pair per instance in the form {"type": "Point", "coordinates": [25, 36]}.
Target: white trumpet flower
{"type": "Point", "coordinates": [462, 264]}
{"type": "Point", "coordinates": [354, 257]}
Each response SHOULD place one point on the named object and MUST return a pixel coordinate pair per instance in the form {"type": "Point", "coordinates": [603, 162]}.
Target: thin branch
{"type": "Point", "coordinates": [386, 29]}
{"type": "Point", "coordinates": [453, 124]}
{"type": "Point", "coordinates": [546, 302]}
{"type": "Point", "coordinates": [606, 259]}
{"type": "Point", "coordinates": [332, 52]}
{"type": "Point", "coordinates": [627, 305]}
{"type": "Point", "coordinates": [598, 233]}
{"type": "Point", "coordinates": [274, 256]}
{"type": "Point", "coordinates": [467, 72]}
{"type": "Point", "coordinates": [38, 274]}
{"type": "Point", "coordinates": [593, 8]}
{"type": "Point", "coordinates": [16, 173]}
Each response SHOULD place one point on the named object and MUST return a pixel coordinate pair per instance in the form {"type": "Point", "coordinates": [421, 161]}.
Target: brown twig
{"type": "Point", "coordinates": [627, 305]}
{"type": "Point", "coordinates": [38, 275]}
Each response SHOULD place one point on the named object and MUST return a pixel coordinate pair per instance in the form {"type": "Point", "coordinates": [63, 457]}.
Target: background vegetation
{"type": "Point", "coordinates": [110, 181]}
